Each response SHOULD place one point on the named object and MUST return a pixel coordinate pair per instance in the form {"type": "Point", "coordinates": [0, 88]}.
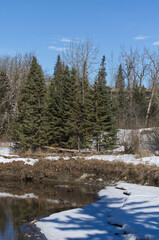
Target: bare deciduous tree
{"type": "Point", "coordinates": [140, 69]}
{"type": "Point", "coordinates": [82, 56]}
{"type": "Point", "coordinates": [16, 68]}
{"type": "Point", "coordinates": [80, 53]}
{"type": "Point", "coordinates": [153, 68]}
{"type": "Point", "coordinates": [128, 64]}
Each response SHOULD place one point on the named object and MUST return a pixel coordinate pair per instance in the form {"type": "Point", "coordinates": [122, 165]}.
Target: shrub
{"type": "Point", "coordinates": [153, 139]}
{"type": "Point", "coordinates": [131, 142]}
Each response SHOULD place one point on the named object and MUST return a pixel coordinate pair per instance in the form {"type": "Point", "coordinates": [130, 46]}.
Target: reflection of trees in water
{"type": "Point", "coordinates": [26, 209]}
{"type": "Point", "coordinates": [14, 212]}
{"type": "Point", "coordinates": [3, 215]}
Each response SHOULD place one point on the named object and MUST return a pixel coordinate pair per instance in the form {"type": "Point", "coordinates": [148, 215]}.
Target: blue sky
{"type": "Point", "coordinates": [46, 26]}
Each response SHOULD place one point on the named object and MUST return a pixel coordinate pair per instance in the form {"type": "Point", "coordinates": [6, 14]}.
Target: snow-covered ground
{"type": "Point", "coordinates": [127, 158]}
{"type": "Point", "coordinates": [6, 156]}
{"type": "Point", "coordinates": [127, 211]}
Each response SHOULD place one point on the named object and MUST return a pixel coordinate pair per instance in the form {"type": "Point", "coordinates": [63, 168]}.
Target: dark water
{"type": "Point", "coordinates": [23, 203]}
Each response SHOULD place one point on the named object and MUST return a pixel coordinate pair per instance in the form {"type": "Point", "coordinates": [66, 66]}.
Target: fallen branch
{"type": "Point", "coordinates": [67, 150]}
{"type": "Point", "coordinates": [62, 149]}
{"type": "Point", "coordinates": [32, 222]}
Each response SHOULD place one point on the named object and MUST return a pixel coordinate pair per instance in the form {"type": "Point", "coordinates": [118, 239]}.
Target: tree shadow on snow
{"type": "Point", "coordinates": [99, 221]}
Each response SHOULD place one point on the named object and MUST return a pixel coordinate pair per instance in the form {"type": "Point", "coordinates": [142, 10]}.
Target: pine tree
{"type": "Point", "coordinates": [30, 124]}
{"type": "Point", "coordinates": [104, 125]}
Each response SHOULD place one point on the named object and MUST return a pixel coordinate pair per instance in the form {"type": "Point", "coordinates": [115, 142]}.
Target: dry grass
{"type": "Point", "coordinates": [140, 153]}
{"type": "Point", "coordinates": [4, 141]}
{"type": "Point", "coordinates": [63, 171]}
{"type": "Point", "coordinates": [146, 132]}
{"type": "Point", "coordinates": [34, 153]}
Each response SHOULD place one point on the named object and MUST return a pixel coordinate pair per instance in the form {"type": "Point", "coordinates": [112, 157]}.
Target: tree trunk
{"type": "Point", "coordinates": [149, 106]}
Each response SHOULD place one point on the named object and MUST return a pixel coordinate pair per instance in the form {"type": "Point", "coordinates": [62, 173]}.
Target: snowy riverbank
{"type": "Point", "coordinates": [127, 211]}
{"type": "Point", "coordinates": [6, 156]}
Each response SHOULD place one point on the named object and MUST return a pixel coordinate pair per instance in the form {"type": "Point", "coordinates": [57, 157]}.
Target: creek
{"type": "Point", "coordinates": [22, 203]}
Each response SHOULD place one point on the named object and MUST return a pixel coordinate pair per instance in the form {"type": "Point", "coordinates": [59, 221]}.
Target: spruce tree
{"type": "Point", "coordinates": [5, 105]}
{"type": "Point", "coordinates": [30, 124]}
{"type": "Point", "coordinates": [120, 79]}
{"type": "Point", "coordinates": [72, 111]}
{"type": "Point", "coordinates": [55, 106]}
{"type": "Point", "coordinates": [139, 103]}
{"type": "Point", "coordinates": [67, 109]}
{"type": "Point", "coordinates": [85, 101]}
{"type": "Point", "coordinates": [104, 125]}
{"type": "Point", "coordinates": [121, 100]}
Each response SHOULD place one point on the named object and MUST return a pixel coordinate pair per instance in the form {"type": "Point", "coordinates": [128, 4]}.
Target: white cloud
{"type": "Point", "coordinates": [141, 37]}
{"type": "Point", "coordinates": [58, 49]}
{"type": "Point", "coordinates": [155, 43]}
{"type": "Point", "coordinates": [65, 40]}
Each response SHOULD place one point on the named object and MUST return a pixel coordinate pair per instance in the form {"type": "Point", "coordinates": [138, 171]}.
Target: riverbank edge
{"type": "Point", "coordinates": [79, 171]}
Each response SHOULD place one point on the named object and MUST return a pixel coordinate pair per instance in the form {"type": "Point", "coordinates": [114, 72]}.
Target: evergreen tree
{"type": "Point", "coordinates": [55, 105]}
{"type": "Point", "coordinates": [84, 83]}
{"type": "Point", "coordinates": [58, 71]}
{"type": "Point", "coordinates": [86, 109]}
{"type": "Point", "coordinates": [30, 124]}
{"type": "Point", "coordinates": [104, 125]}
{"type": "Point", "coordinates": [67, 109]}
{"type": "Point", "coordinates": [5, 105]}
{"type": "Point", "coordinates": [72, 111]}
{"type": "Point", "coordinates": [139, 103]}
{"type": "Point", "coordinates": [121, 100]}
{"type": "Point", "coordinates": [120, 79]}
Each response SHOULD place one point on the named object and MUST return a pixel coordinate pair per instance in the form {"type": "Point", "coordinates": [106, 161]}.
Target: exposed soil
{"type": "Point", "coordinates": [88, 171]}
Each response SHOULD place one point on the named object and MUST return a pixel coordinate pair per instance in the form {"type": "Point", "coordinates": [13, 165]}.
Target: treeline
{"type": "Point", "coordinates": [70, 111]}
{"type": "Point", "coordinates": [136, 89]}
{"type": "Point", "coordinates": [13, 71]}
{"type": "Point", "coordinates": [67, 112]}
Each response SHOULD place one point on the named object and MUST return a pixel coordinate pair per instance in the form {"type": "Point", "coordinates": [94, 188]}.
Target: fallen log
{"type": "Point", "coordinates": [62, 149]}
{"type": "Point", "coordinates": [67, 150]}
{"type": "Point", "coordinates": [32, 222]}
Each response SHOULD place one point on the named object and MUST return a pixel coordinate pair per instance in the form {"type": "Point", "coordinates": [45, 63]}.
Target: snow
{"type": "Point", "coordinates": [6, 151]}
{"type": "Point", "coordinates": [123, 135]}
{"type": "Point", "coordinates": [29, 161]}
{"type": "Point", "coordinates": [6, 156]}
{"type": "Point", "coordinates": [66, 158]}
{"type": "Point", "coordinates": [30, 195]}
{"type": "Point", "coordinates": [24, 196]}
{"type": "Point", "coordinates": [52, 158]}
{"type": "Point", "coordinates": [128, 212]}
{"type": "Point", "coordinates": [55, 158]}
{"type": "Point", "coordinates": [127, 158]}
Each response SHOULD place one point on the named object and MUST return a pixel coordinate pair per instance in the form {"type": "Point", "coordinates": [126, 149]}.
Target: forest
{"type": "Point", "coordinates": [77, 105]}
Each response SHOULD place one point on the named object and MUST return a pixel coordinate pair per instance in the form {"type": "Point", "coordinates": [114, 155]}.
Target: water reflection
{"type": "Point", "coordinates": [21, 204]}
